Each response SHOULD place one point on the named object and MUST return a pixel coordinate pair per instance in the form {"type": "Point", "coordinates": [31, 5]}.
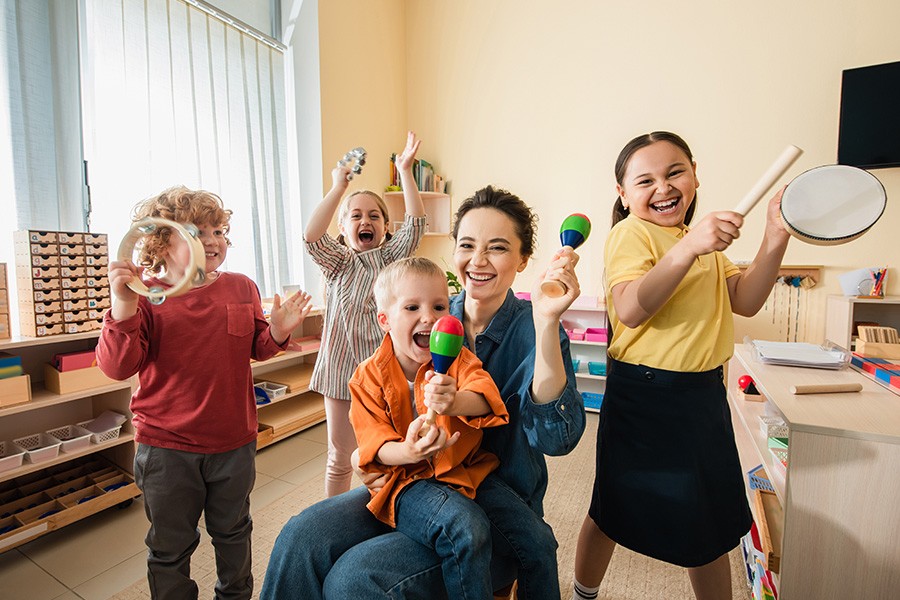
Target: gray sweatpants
{"type": "Point", "coordinates": [177, 487]}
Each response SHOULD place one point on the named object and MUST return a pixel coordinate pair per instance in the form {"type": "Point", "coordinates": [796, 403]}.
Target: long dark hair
{"type": "Point", "coordinates": [619, 211]}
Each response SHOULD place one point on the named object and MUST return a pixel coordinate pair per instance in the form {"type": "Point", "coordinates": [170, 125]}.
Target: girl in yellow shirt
{"type": "Point", "coordinates": [669, 483]}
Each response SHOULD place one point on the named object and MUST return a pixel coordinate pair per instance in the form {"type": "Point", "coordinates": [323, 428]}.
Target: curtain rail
{"type": "Point", "coordinates": [237, 24]}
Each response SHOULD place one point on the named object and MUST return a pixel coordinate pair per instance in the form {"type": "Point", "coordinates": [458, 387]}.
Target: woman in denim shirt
{"type": "Point", "coordinates": [336, 549]}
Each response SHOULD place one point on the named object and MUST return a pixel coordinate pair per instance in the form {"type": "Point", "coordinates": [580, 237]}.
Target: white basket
{"type": "Point", "coordinates": [270, 390]}
{"type": "Point", "coordinates": [773, 426]}
{"type": "Point", "coordinates": [11, 455]}
{"type": "Point", "coordinates": [39, 446]}
{"type": "Point", "coordinates": [73, 437]}
{"type": "Point", "coordinates": [98, 437]}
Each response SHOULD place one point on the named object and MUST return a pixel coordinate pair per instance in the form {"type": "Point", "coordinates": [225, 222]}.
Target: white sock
{"type": "Point", "coordinates": [583, 592]}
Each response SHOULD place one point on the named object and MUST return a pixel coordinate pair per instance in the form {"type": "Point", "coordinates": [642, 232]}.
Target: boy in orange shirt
{"type": "Point", "coordinates": [432, 472]}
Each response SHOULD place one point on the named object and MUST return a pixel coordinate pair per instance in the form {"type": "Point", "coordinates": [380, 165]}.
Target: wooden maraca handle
{"type": "Point", "coordinates": [553, 288]}
{"type": "Point", "coordinates": [826, 388]}
{"type": "Point", "coordinates": [194, 273]}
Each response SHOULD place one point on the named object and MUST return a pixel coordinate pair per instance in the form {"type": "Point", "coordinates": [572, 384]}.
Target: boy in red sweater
{"type": "Point", "coordinates": [432, 472]}
{"type": "Point", "coordinates": [194, 409]}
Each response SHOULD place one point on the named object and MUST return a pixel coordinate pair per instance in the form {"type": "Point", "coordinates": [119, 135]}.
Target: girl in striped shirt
{"type": "Point", "coordinates": [350, 265]}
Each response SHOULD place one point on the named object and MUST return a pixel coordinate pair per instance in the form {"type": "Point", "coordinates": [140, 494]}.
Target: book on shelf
{"type": "Point", "coordinates": [423, 174]}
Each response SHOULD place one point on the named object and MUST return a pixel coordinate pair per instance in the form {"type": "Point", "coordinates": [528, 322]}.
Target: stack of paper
{"type": "Point", "coordinates": [799, 354]}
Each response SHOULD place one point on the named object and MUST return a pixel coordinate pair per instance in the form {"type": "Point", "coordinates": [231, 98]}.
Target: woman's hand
{"type": "Point", "coordinates": [405, 159]}
{"type": "Point", "coordinates": [373, 481]}
{"type": "Point", "coordinates": [287, 316]}
{"type": "Point", "coordinates": [561, 269]}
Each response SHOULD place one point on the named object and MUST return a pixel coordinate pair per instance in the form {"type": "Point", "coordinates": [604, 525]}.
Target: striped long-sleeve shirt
{"type": "Point", "coordinates": [351, 333]}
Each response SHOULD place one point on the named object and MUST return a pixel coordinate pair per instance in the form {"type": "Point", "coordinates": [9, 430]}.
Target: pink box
{"type": "Point", "coordinates": [595, 334]}
{"type": "Point", "coordinates": [576, 334]}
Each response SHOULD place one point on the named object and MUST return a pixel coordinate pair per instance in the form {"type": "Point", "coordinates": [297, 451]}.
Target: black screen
{"type": "Point", "coordinates": [869, 134]}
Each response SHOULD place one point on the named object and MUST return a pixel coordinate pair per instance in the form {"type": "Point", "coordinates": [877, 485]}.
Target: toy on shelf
{"type": "Point", "coordinates": [574, 230]}
{"type": "Point", "coordinates": [747, 389]}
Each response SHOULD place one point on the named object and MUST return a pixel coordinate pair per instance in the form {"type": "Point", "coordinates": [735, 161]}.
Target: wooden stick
{"type": "Point", "coordinates": [826, 388]}
{"type": "Point", "coordinates": [778, 168]}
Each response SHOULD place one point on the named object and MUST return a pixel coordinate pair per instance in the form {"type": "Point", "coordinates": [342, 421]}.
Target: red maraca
{"type": "Point", "coordinates": [573, 231]}
{"type": "Point", "coordinates": [445, 343]}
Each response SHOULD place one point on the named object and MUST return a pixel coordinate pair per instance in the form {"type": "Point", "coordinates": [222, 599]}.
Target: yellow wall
{"type": "Point", "coordinates": [539, 97]}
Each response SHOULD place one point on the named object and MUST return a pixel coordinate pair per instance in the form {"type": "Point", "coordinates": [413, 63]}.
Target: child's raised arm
{"type": "Point", "coordinates": [324, 213]}
{"type": "Point", "coordinates": [411, 198]}
{"type": "Point", "coordinates": [749, 290]}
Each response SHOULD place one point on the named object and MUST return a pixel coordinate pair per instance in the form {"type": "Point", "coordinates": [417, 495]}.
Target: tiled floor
{"type": "Point", "coordinates": [102, 555]}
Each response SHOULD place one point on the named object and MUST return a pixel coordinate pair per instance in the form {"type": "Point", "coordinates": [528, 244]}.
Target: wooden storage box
{"type": "Point", "coordinates": [74, 381]}
{"type": "Point", "coordinates": [769, 520]}
{"type": "Point", "coordinates": [878, 350]}
{"type": "Point", "coordinates": [15, 390]}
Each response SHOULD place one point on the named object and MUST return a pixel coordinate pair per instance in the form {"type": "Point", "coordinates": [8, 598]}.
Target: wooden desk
{"type": "Point", "coordinates": [840, 498]}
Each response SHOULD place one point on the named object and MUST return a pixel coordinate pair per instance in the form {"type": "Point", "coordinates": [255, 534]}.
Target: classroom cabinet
{"type": "Point", "coordinates": [843, 312]}
{"type": "Point", "coordinates": [54, 485]}
{"type": "Point", "coordinates": [288, 406]}
{"type": "Point", "coordinates": [437, 212]}
{"type": "Point", "coordinates": [586, 326]}
{"type": "Point", "coordinates": [834, 522]}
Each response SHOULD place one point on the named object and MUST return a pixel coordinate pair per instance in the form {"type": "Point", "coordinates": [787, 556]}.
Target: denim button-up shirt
{"type": "Point", "coordinates": [507, 350]}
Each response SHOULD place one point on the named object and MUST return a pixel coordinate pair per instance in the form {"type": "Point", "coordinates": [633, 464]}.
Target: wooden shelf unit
{"type": "Point", "coordinates": [299, 408]}
{"type": "Point", "coordinates": [582, 317]}
{"type": "Point", "coordinates": [47, 411]}
{"type": "Point", "coordinates": [841, 312]}
{"type": "Point", "coordinates": [437, 212]}
{"type": "Point", "coordinates": [838, 521]}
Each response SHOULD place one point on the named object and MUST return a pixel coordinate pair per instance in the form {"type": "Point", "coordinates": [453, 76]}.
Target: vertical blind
{"type": "Point", "coordinates": [173, 95]}
{"type": "Point", "coordinates": [40, 117]}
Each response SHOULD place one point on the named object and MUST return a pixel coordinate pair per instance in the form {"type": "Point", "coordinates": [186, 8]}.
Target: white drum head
{"type": "Point", "coordinates": [832, 204]}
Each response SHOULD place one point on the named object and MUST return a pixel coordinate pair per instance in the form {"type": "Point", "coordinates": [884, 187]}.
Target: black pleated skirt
{"type": "Point", "coordinates": [669, 483]}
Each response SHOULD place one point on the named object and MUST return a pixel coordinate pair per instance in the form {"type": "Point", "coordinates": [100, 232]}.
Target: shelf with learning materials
{"type": "Point", "coordinates": [52, 471]}
{"type": "Point", "coordinates": [437, 212]}
{"type": "Point", "coordinates": [586, 325]}
{"type": "Point", "coordinates": [831, 533]}
{"type": "Point", "coordinates": [843, 313]}
{"type": "Point", "coordinates": [292, 406]}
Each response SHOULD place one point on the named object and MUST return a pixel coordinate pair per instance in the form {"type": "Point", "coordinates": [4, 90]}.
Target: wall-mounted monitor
{"type": "Point", "coordinates": [869, 133]}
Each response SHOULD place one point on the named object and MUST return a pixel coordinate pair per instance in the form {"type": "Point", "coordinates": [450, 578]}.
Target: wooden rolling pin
{"type": "Point", "coordinates": [825, 388]}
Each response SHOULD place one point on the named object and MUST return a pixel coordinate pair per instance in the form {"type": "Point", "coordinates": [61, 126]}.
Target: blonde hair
{"type": "Point", "coordinates": [344, 210]}
{"type": "Point", "coordinates": [181, 205]}
{"type": "Point", "coordinates": [389, 277]}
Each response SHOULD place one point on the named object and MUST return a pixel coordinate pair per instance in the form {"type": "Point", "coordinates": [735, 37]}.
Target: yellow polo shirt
{"type": "Point", "coordinates": [694, 330]}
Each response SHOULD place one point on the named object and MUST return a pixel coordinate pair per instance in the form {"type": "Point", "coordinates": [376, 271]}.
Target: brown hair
{"type": "Point", "coordinates": [386, 283]}
{"type": "Point", "coordinates": [512, 206]}
{"type": "Point", "coordinates": [619, 211]}
{"type": "Point", "coordinates": [181, 205]}
{"type": "Point", "coordinates": [345, 208]}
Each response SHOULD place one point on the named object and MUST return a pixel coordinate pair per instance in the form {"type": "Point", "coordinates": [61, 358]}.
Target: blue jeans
{"type": "Point", "coordinates": [531, 541]}
{"type": "Point", "coordinates": [337, 549]}
{"type": "Point", "coordinates": [441, 518]}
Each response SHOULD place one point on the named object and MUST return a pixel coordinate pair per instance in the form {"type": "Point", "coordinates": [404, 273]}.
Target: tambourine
{"type": "Point", "coordinates": [832, 204]}
{"type": "Point", "coordinates": [357, 157]}
{"type": "Point", "coordinates": [194, 273]}
{"type": "Point", "coordinates": [825, 206]}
